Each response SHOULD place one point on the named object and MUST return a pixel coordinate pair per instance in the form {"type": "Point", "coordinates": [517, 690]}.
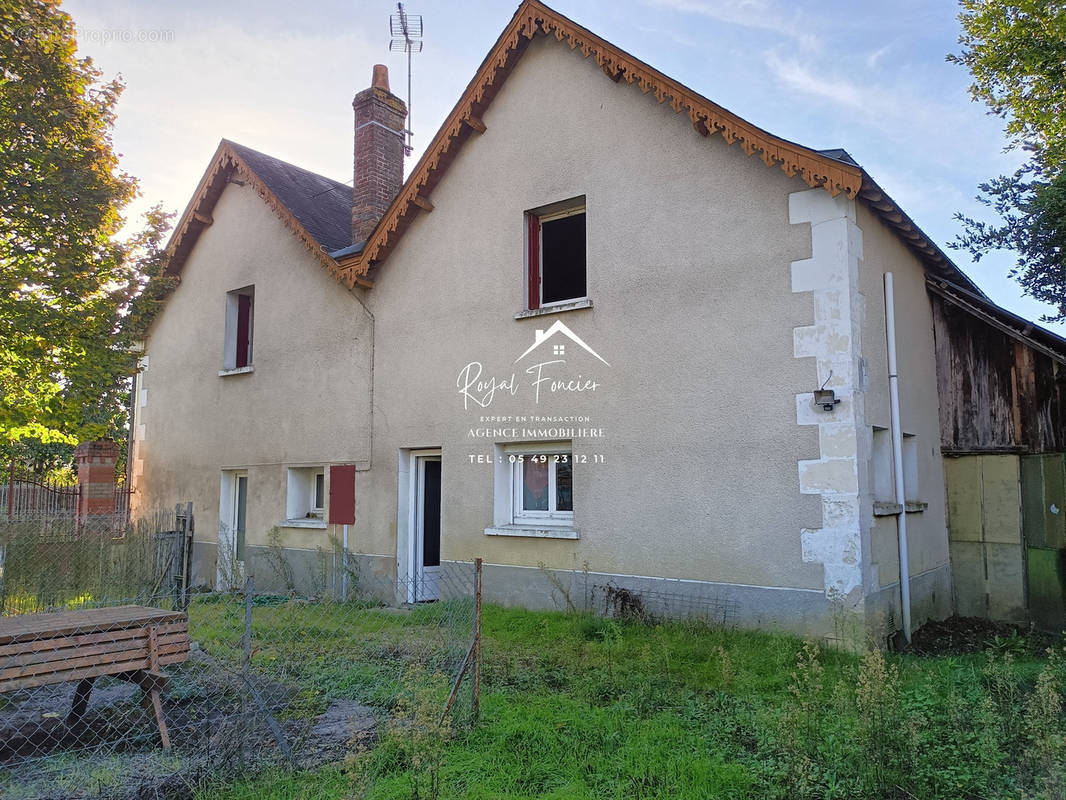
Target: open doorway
{"type": "Point", "coordinates": [232, 529]}
{"type": "Point", "coordinates": [420, 536]}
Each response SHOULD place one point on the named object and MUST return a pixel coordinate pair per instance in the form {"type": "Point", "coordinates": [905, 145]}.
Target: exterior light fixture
{"type": "Point", "coordinates": [826, 398]}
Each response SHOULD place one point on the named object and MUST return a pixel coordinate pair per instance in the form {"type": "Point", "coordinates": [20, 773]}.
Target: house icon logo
{"type": "Point", "coordinates": [559, 347]}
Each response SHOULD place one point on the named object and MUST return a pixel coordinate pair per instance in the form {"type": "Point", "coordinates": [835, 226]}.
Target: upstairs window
{"type": "Point", "coordinates": [556, 253]}
{"type": "Point", "coordinates": [240, 317]}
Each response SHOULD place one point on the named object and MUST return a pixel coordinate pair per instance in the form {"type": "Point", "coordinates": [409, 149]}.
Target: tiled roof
{"type": "Point", "coordinates": [322, 205]}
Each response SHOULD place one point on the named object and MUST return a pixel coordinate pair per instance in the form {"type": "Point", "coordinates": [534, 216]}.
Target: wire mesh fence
{"type": "Point", "coordinates": [118, 680]}
{"type": "Point", "coordinates": [663, 600]}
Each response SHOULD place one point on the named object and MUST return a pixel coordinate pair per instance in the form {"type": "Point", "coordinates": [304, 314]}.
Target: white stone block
{"type": "Point", "coordinates": [817, 205]}
{"type": "Point", "coordinates": [838, 440]}
{"type": "Point", "coordinates": [828, 475]}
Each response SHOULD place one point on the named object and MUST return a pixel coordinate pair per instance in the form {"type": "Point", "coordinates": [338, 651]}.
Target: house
{"type": "Point", "coordinates": [582, 341]}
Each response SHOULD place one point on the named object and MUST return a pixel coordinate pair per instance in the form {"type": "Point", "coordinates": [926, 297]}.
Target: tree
{"type": "Point", "coordinates": [73, 296]}
{"type": "Point", "coordinates": [1016, 54]}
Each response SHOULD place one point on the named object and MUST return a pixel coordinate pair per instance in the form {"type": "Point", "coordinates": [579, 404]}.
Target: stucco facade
{"type": "Point", "coordinates": [306, 402]}
{"type": "Point", "coordinates": [721, 294]}
{"type": "Point", "coordinates": [930, 568]}
{"type": "Point", "coordinates": [682, 295]}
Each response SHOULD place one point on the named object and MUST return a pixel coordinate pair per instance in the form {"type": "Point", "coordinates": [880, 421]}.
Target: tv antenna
{"type": "Point", "coordinates": [406, 30]}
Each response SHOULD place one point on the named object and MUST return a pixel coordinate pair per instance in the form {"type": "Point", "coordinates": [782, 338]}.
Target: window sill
{"type": "Point", "coordinates": [893, 509]}
{"type": "Point", "coordinates": [236, 371]}
{"type": "Point", "coordinates": [540, 312]}
{"type": "Point", "coordinates": [318, 524]}
{"type": "Point", "coordinates": [542, 532]}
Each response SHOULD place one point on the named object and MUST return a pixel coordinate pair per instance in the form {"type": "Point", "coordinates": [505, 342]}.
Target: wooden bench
{"type": "Point", "coordinates": [132, 643]}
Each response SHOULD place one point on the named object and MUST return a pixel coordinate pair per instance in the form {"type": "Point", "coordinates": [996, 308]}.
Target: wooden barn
{"type": "Point", "coordinates": [1002, 387]}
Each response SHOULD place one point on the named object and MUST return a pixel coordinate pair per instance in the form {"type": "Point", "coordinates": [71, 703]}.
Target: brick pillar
{"type": "Point", "coordinates": [379, 152]}
{"type": "Point", "coordinates": [96, 480]}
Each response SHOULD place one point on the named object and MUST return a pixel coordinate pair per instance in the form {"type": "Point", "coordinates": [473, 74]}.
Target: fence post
{"type": "Point", "coordinates": [476, 705]}
{"type": "Point", "coordinates": [11, 490]}
{"type": "Point", "coordinates": [186, 556]}
{"type": "Point", "coordinates": [249, 589]}
{"type": "Point", "coordinates": [176, 548]}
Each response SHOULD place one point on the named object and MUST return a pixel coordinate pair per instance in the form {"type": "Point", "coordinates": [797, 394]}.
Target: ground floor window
{"type": "Point", "coordinates": [544, 486]}
{"type": "Point", "coordinates": [542, 483]}
{"type": "Point", "coordinates": [306, 493]}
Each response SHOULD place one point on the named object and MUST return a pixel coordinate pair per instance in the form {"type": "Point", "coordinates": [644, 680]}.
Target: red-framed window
{"type": "Point", "coordinates": [240, 327]}
{"type": "Point", "coordinates": [556, 254]}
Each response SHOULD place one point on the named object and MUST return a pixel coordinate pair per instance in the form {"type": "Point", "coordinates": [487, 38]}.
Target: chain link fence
{"type": "Point", "coordinates": [117, 679]}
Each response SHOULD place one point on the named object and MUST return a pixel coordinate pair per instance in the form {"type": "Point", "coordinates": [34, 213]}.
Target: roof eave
{"type": "Point", "coordinates": [225, 163]}
{"type": "Point", "coordinates": [533, 18]}
{"type": "Point", "coordinates": [926, 250]}
{"type": "Point", "coordinates": [1015, 326]}
{"type": "Point", "coordinates": [817, 169]}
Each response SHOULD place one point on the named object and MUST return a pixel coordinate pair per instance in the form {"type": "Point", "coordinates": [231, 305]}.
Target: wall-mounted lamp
{"type": "Point", "coordinates": [826, 398]}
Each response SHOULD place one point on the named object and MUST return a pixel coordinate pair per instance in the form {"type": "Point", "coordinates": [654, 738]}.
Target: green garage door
{"type": "Point", "coordinates": [1043, 481]}
{"type": "Point", "coordinates": [987, 554]}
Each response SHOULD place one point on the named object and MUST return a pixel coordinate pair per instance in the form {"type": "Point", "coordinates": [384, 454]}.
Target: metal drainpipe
{"type": "Point", "coordinates": [897, 458]}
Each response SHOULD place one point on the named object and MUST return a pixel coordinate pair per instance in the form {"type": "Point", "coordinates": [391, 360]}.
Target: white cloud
{"type": "Point", "coordinates": [944, 125]}
{"type": "Point", "coordinates": [800, 77]}
{"type": "Point", "coordinates": [760, 15]}
{"type": "Point", "coordinates": [877, 55]}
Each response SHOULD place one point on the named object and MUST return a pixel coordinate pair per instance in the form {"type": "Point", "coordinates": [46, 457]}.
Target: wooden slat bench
{"type": "Point", "coordinates": [132, 643]}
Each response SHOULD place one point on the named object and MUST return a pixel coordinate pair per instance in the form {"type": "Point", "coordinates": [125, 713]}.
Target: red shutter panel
{"type": "Point", "coordinates": [342, 494]}
{"type": "Point", "coordinates": [534, 261]}
{"type": "Point", "coordinates": [244, 330]}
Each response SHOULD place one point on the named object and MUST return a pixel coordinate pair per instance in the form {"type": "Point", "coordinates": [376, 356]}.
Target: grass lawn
{"type": "Point", "coordinates": [582, 707]}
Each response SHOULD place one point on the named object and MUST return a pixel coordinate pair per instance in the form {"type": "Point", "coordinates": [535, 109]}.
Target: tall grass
{"type": "Point", "coordinates": [581, 707]}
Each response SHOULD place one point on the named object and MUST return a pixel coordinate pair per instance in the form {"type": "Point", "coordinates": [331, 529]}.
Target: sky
{"type": "Point", "coordinates": [279, 77]}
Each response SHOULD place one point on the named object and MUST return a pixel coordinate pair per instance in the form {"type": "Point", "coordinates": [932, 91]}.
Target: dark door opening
{"type": "Point", "coordinates": [427, 581]}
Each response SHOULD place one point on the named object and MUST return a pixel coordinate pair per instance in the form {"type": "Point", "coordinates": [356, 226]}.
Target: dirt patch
{"type": "Point", "coordinates": [216, 730]}
{"type": "Point", "coordinates": [963, 635]}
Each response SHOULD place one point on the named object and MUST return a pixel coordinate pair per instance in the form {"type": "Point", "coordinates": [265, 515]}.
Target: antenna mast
{"type": "Point", "coordinates": [406, 30]}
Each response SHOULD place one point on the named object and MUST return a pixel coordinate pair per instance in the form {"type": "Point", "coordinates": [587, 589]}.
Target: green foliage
{"type": "Point", "coordinates": [1046, 730]}
{"type": "Point", "coordinates": [326, 784]}
{"type": "Point", "coordinates": [1032, 214]}
{"type": "Point", "coordinates": [278, 562]}
{"type": "Point", "coordinates": [1016, 53]}
{"type": "Point", "coordinates": [415, 738]}
{"type": "Point", "coordinates": [52, 461]}
{"type": "Point", "coordinates": [882, 729]}
{"type": "Point", "coordinates": [69, 307]}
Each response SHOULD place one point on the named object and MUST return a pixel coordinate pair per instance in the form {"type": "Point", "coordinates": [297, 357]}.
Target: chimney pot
{"type": "Point", "coordinates": [381, 77]}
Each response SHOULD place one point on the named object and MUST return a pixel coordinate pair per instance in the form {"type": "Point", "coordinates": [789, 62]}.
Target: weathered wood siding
{"type": "Point", "coordinates": [996, 392]}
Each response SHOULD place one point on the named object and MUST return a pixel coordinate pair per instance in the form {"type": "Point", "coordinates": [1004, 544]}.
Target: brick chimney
{"type": "Point", "coordinates": [379, 152]}
{"type": "Point", "coordinates": [96, 481]}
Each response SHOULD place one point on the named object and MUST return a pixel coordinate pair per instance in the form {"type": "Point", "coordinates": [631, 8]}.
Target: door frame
{"type": "Point", "coordinates": [409, 513]}
{"type": "Point", "coordinates": [227, 515]}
